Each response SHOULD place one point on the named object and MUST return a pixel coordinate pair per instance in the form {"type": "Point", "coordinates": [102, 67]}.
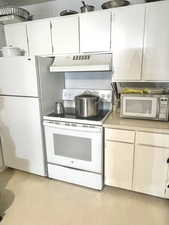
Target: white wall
{"type": "Point", "coordinates": [52, 8]}
{"type": "Point", "coordinates": [88, 80]}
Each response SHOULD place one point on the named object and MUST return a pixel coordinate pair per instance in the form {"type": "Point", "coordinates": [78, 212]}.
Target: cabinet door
{"type": "Point", "coordinates": [156, 43]}
{"type": "Point", "coordinates": [39, 37]}
{"type": "Point", "coordinates": [65, 35]}
{"type": "Point", "coordinates": [95, 32]}
{"type": "Point", "coordinates": [127, 42]}
{"type": "Point", "coordinates": [119, 164]}
{"type": "Point", "coordinates": [16, 36]}
{"type": "Point", "coordinates": [150, 170]}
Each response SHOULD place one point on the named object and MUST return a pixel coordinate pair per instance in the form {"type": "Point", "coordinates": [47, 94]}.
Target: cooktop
{"type": "Point", "coordinates": [97, 120]}
{"type": "Point", "coordinates": [73, 116]}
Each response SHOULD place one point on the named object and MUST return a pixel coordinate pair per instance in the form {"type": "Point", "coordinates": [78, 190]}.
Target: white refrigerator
{"type": "Point", "coordinates": [27, 91]}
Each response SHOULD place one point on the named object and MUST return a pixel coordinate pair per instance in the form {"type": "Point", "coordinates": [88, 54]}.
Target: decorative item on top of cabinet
{"type": "Point", "coordinates": [16, 35]}
{"type": "Point", "coordinates": [39, 37]}
{"type": "Point", "coordinates": [95, 31]}
{"type": "Point", "coordinates": [156, 42]}
{"type": "Point", "coordinates": [127, 42]}
{"type": "Point", "coordinates": [119, 153]}
{"type": "Point", "coordinates": [65, 35]}
{"type": "Point", "coordinates": [151, 167]}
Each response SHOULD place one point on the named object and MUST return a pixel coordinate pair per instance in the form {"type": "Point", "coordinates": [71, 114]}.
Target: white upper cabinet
{"type": "Point", "coordinates": [95, 32]}
{"type": "Point", "coordinates": [65, 35]}
{"type": "Point", "coordinates": [16, 35]}
{"type": "Point", "coordinates": [127, 42]}
{"type": "Point", "coordinates": [156, 43]}
{"type": "Point", "coordinates": [39, 37]}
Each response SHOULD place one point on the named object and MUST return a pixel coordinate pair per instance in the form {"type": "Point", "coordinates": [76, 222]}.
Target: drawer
{"type": "Point", "coordinates": [119, 135]}
{"type": "Point", "coordinates": [152, 139]}
{"type": "Point", "coordinates": [74, 176]}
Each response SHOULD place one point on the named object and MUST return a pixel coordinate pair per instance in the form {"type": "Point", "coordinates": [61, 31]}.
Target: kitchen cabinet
{"type": "Point", "coordinates": [127, 42]}
{"type": "Point", "coordinates": [39, 37]}
{"type": "Point", "coordinates": [119, 164]}
{"type": "Point", "coordinates": [95, 31]}
{"type": "Point", "coordinates": [156, 44]}
{"type": "Point", "coordinates": [119, 151]}
{"type": "Point", "coordinates": [150, 170]}
{"type": "Point", "coordinates": [65, 35]}
{"type": "Point", "coordinates": [138, 161]}
{"type": "Point", "coordinates": [16, 35]}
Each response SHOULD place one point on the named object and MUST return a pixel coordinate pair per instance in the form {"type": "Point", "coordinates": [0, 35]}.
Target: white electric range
{"type": "Point", "coordinates": [75, 145]}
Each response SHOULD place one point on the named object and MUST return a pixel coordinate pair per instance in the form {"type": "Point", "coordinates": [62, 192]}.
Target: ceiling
{"type": "Point", "coordinates": [20, 2]}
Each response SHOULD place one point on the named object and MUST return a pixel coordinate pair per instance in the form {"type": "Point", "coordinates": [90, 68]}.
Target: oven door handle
{"type": "Point", "coordinates": [83, 128]}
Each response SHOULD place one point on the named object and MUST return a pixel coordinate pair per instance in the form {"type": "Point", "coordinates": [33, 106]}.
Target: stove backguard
{"type": "Point", "coordinates": [68, 97]}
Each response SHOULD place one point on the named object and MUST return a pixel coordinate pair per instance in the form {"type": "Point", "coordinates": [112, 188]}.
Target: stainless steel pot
{"type": "Point", "coordinates": [87, 105]}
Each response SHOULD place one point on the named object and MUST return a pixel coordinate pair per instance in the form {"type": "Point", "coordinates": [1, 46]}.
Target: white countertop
{"type": "Point", "coordinates": [114, 121]}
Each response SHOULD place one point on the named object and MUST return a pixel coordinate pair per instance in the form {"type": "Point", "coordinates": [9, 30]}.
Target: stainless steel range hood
{"type": "Point", "coordinates": [93, 62]}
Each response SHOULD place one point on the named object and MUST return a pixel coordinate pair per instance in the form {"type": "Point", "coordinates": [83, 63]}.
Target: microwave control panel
{"type": "Point", "coordinates": [163, 109]}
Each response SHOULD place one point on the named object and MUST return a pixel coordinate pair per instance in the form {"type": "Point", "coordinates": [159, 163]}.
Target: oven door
{"type": "Point", "coordinates": [74, 146]}
{"type": "Point", "coordinates": [141, 107]}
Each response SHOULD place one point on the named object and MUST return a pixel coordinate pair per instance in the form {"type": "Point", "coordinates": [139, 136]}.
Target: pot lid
{"type": "Point", "coordinates": [87, 94]}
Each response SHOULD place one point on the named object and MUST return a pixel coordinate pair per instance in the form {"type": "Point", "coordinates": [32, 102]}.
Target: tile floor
{"type": "Point", "coordinates": [32, 200]}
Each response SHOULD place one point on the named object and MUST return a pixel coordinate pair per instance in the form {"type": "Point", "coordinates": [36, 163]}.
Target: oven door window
{"type": "Point", "coordinates": [80, 148]}
{"type": "Point", "coordinates": [72, 147]}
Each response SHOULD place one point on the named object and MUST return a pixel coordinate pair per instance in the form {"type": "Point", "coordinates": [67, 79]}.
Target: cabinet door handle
{"type": "Point", "coordinates": [168, 160]}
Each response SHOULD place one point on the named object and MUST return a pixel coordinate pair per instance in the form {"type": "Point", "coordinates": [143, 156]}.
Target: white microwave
{"type": "Point", "coordinates": [151, 107]}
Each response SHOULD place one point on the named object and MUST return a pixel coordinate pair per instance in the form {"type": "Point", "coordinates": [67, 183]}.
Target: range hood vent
{"type": "Point", "coordinates": [93, 62]}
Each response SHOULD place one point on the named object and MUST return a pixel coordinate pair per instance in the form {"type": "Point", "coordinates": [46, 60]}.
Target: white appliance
{"type": "Point", "coordinates": [92, 62]}
{"type": "Point", "coordinates": [24, 84]}
{"type": "Point", "coordinates": [152, 107]}
{"type": "Point", "coordinates": [75, 146]}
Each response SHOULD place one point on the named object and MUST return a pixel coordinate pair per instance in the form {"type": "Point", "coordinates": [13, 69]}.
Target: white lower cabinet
{"type": "Point", "coordinates": [150, 170]}
{"type": "Point", "coordinates": [137, 161]}
{"type": "Point", "coordinates": [119, 164]}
